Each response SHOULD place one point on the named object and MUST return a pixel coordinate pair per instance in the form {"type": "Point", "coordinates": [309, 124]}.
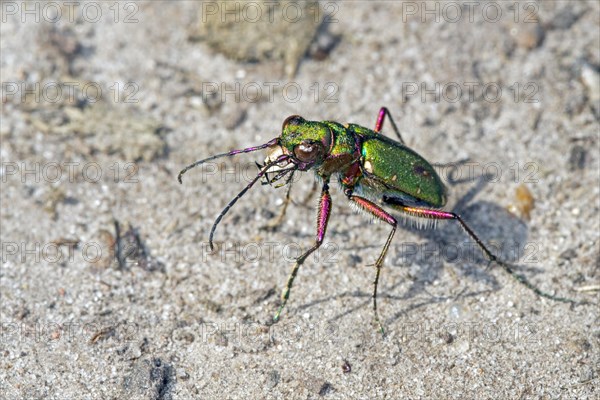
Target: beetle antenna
{"type": "Point", "coordinates": [231, 153]}
{"type": "Point", "coordinates": [262, 172]}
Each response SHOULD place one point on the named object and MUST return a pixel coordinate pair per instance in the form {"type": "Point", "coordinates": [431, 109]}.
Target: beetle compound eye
{"type": "Point", "coordinates": [307, 152]}
{"type": "Point", "coordinates": [293, 120]}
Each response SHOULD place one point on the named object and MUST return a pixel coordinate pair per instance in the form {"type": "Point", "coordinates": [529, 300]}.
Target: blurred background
{"type": "Point", "coordinates": [108, 287]}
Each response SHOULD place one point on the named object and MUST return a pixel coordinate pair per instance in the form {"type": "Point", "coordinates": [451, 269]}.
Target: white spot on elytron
{"type": "Point", "coordinates": [368, 167]}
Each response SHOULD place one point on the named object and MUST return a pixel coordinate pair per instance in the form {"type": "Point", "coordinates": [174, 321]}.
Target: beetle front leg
{"type": "Point", "coordinates": [322, 219]}
{"type": "Point", "coordinates": [276, 221]}
{"type": "Point", "coordinates": [311, 192]}
{"type": "Point", "coordinates": [382, 215]}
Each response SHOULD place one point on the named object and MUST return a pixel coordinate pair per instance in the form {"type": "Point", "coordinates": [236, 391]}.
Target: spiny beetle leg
{"type": "Point", "coordinates": [381, 214]}
{"type": "Point", "coordinates": [437, 214]}
{"type": "Point", "coordinates": [311, 192]}
{"type": "Point", "coordinates": [322, 218]}
{"type": "Point", "coordinates": [276, 221]}
{"type": "Point", "coordinates": [383, 111]}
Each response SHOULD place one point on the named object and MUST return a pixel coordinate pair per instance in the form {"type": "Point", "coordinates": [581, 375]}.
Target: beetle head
{"type": "Point", "coordinates": [308, 142]}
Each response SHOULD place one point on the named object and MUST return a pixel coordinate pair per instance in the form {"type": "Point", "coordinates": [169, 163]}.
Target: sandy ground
{"type": "Point", "coordinates": [108, 287]}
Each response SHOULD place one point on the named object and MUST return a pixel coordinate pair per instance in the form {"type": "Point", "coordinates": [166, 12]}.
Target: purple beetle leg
{"type": "Point", "coordinates": [509, 268]}
{"type": "Point", "coordinates": [383, 111]}
{"type": "Point", "coordinates": [382, 215]}
{"type": "Point", "coordinates": [322, 219]}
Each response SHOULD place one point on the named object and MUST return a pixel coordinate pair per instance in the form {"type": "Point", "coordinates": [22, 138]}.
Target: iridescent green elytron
{"type": "Point", "coordinates": [376, 173]}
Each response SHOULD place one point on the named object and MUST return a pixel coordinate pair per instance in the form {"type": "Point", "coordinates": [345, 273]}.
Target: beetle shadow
{"type": "Point", "coordinates": [448, 244]}
{"type": "Point", "coordinates": [503, 233]}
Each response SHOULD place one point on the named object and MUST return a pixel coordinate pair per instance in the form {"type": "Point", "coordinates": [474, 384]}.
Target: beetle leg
{"type": "Point", "coordinates": [272, 224]}
{"type": "Point", "coordinates": [311, 192]}
{"type": "Point", "coordinates": [382, 215]}
{"type": "Point", "coordinates": [437, 214]}
{"type": "Point", "coordinates": [383, 111]}
{"type": "Point", "coordinates": [322, 218]}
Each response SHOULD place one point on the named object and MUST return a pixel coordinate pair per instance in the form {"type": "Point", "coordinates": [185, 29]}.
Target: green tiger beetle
{"type": "Point", "coordinates": [375, 172]}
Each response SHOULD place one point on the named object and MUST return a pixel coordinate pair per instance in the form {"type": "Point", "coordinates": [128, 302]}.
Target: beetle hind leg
{"type": "Point", "coordinates": [509, 268]}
